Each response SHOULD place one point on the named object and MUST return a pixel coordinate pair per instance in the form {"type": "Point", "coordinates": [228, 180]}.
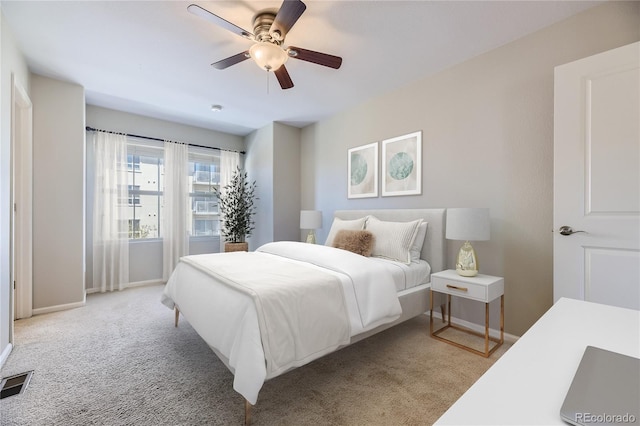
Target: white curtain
{"type": "Point", "coordinates": [110, 218]}
{"type": "Point", "coordinates": [229, 162]}
{"type": "Point", "coordinates": [175, 235]}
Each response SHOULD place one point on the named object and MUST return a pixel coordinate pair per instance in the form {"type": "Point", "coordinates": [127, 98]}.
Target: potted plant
{"type": "Point", "coordinates": [236, 206]}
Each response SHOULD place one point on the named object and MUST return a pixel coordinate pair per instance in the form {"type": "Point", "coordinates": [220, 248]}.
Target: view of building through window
{"type": "Point", "coordinates": [145, 183]}
{"type": "Point", "coordinates": [145, 197]}
{"type": "Point", "coordinates": [204, 176]}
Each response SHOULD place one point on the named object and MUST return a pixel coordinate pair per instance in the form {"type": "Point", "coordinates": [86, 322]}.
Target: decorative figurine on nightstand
{"type": "Point", "coordinates": [468, 224]}
{"type": "Point", "coordinates": [467, 263]}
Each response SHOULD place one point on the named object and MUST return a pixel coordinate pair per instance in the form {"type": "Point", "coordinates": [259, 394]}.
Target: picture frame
{"type": "Point", "coordinates": [362, 178]}
{"type": "Point", "coordinates": [402, 165]}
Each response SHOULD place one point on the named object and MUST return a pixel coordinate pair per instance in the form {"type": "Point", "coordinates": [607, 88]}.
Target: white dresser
{"type": "Point", "coordinates": [528, 384]}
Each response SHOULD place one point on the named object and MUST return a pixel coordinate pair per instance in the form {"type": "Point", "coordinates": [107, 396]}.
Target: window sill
{"type": "Point", "coordinates": [159, 240]}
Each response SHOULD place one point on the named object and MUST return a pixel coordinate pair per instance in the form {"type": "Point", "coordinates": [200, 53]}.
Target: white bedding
{"type": "Point", "coordinates": [226, 316]}
{"type": "Point", "coordinates": [407, 276]}
{"type": "Point", "coordinates": [287, 296]}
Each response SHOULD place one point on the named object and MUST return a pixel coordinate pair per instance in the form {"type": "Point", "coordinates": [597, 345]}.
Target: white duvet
{"type": "Point", "coordinates": [280, 307]}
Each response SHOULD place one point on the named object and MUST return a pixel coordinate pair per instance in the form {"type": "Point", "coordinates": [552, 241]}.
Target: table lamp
{"type": "Point", "coordinates": [311, 220]}
{"type": "Point", "coordinates": [468, 224]}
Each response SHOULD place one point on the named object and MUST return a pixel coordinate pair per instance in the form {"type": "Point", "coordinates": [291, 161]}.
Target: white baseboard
{"type": "Point", "coordinates": [144, 283]}
{"type": "Point", "coordinates": [508, 338]}
{"type": "Point", "coordinates": [57, 308]}
{"type": "Point", "coordinates": [5, 354]}
{"type": "Point", "coordinates": [130, 285]}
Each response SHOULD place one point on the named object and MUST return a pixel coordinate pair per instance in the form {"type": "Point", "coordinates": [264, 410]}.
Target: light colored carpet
{"type": "Point", "coordinates": [120, 361]}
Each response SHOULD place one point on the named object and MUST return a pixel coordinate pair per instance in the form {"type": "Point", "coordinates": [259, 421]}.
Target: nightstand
{"type": "Point", "coordinates": [482, 288]}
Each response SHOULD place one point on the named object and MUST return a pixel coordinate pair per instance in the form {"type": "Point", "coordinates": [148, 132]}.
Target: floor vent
{"type": "Point", "coordinates": [14, 385]}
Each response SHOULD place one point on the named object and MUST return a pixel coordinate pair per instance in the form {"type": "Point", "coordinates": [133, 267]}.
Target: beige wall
{"type": "Point", "coordinates": [119, 121]}
{"type": "Point", "coordinates": [259, 165]}
{"type": "Point", "coordinates": [487, 142]}
{"type": "Point", "coordinates": [58, 194]}
{"type": "Point", "coordinates": [286, 195]}
{"type": "Point", "coordinates": [273, 161]}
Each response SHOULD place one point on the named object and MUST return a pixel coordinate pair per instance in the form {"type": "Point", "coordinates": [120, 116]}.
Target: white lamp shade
{"type": "Point", "coordinates": [468, 224]}
{"type": "Point", "coordinates": [310, 219]}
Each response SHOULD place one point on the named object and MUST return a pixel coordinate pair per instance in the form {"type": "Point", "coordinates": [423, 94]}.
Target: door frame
{"type": "Point", "coordinates": [21, 244]}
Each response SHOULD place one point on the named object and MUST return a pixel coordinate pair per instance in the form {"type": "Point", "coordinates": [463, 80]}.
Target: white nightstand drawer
{"type": "Point", "coordinates": [484, 288]}
{"type": "Point", "coordinates": [456, 288]}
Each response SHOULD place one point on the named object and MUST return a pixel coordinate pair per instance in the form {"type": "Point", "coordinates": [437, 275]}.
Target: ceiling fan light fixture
{"type": "Point", "coordinates": [268, 56]}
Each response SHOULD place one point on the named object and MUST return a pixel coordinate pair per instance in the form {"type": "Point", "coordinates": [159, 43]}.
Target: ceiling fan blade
{"type": "Point", "coordinates": [204, 13]}
{"type": "Point", "coordinates": [327, 60]}
{"type": "Point", "coordinates": [283, 78]}
{"type": "Point", "coordinates": [288, 14]}
{"type": "Point", "coordinates": [231, 60]}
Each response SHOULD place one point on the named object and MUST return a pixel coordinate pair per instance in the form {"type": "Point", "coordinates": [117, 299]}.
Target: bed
{"type": "Point", "coordinates": [267, 312]}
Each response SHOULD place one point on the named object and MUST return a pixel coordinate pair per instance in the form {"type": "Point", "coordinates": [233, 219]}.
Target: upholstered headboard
{"type": "Point", "coordinates": [435, 244]}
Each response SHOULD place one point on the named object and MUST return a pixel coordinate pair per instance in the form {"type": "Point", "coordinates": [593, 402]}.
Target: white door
{"type": "Point", "coordinates": [597, 179]}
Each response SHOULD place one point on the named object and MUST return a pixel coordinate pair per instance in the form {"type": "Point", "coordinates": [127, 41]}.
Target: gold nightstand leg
{"type": "Point", "coordinates": [502, 319]}
{"type": "Point", "coordinates": [486, 329]}
{"type": "Point", "coordinates": [431, 313]}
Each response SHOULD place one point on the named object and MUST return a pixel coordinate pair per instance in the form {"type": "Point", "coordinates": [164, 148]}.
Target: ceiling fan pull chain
{"type": "Point", "coordinates": [267, 82]}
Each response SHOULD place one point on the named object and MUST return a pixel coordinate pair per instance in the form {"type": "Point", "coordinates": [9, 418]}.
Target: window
{"type": "Point", "coordinates": [145, 168]}
{"type": "Point", "coordinates": [133, 162]}
{"type": "Point", "coordinates": [204, 178]}
{"type": "Point", "coordinates": [134, 197]}
{"type": "Point", "coordinates": [205, 227]}
{"type": "Point", "coordinates": [134, 228]}
{"type": "Point", "coordinates": [145, 174]}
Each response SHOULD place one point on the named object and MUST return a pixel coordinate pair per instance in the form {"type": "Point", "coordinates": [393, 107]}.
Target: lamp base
{"type": "Point", "coordinates": [467, 262]}
{"type": "Point", "coordinates": [311, 237]}
{"type": "Point", "coordinates": [466, 273]}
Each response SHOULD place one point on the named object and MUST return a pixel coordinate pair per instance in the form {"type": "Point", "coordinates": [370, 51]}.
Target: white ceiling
{"type": "Point", "coordinates": [153, 57]}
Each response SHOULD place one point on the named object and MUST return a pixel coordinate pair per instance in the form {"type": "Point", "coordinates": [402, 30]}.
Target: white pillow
{"type": "Point", "coordinates": [393, 240]}
{"type": "Point", "coordinates": [416, 247]}
{"type": "Point", "coordinates": [339, 224]}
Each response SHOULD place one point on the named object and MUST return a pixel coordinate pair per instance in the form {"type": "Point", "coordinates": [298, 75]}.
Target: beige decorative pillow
{"type": "Point", "coordinates": [338, 224]}
{"type": "Point", "coordinates": [359, 242]}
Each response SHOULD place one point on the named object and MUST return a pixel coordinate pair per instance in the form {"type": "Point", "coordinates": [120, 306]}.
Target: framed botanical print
{"type": "Point", "coordinates": [363, 171]}
{"type": "Point", "coordinates": [402, 165]}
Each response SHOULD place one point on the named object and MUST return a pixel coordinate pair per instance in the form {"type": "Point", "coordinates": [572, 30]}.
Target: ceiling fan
{"type": "Point", "coordinates": [270, 27]}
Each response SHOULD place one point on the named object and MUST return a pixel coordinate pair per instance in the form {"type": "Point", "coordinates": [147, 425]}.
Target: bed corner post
{"type": "Point", "coordinates": [247, 413]}
{"type": "Point", "coordinates": [177, 311]}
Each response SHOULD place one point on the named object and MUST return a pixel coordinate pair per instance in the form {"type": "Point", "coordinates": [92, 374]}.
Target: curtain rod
{"type": "Point", "coordinates": [91, 129]}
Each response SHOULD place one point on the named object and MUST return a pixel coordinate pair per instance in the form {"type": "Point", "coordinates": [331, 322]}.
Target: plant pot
{"type": "Point", "coordinates": [230, 247]}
